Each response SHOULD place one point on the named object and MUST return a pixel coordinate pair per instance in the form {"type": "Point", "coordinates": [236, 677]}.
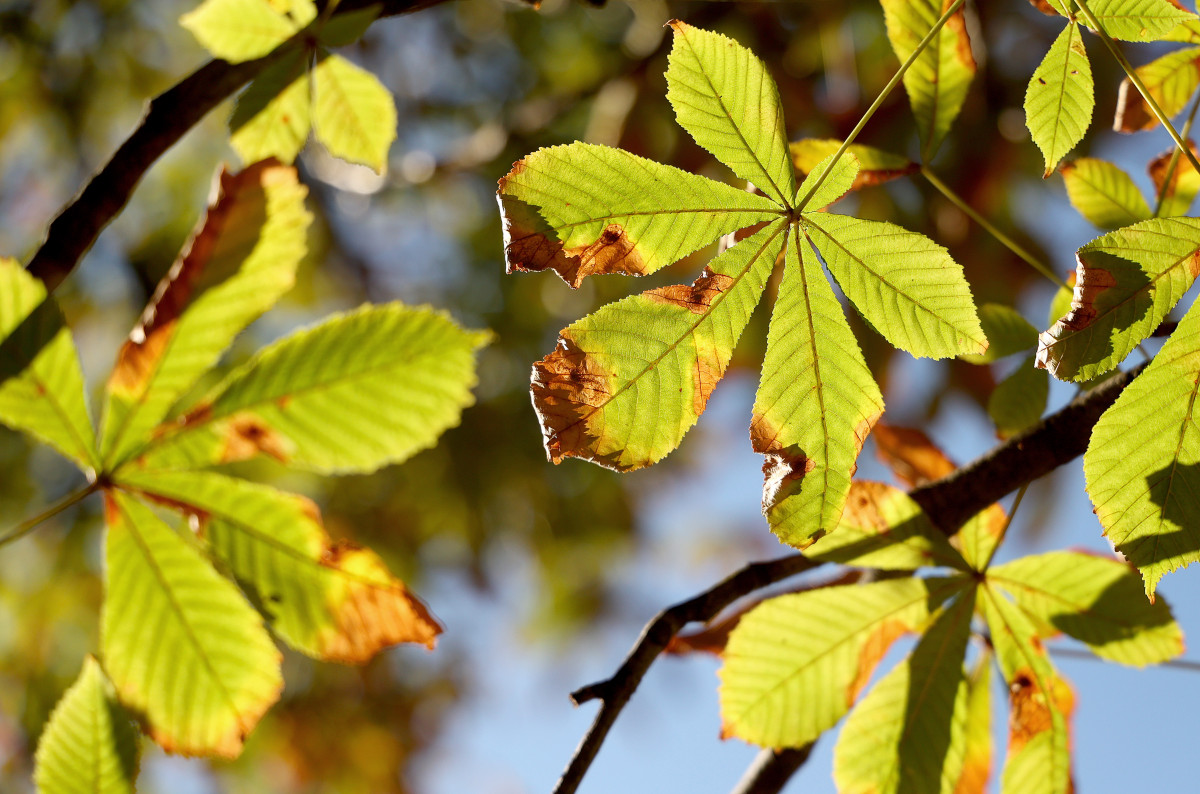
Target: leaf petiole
{"type": "Point", "coordinates": [1174, 164]}
{"type": "Point", "coordinates": [879, 100]}
{"type": "Point", "coordinates": [989, 227]}
{"type": "Point", "coordinates": [28, 525]}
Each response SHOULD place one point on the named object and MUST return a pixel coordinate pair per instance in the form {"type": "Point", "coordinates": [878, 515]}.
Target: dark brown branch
{"type": "Point", "coordinates": [772, 769]}
{"type": "Point", "coordinates": [168, 117]}
{"type": "Point", "coordinates": [949, 502]}
{"type": "Point", "coordinates": [616, 691]}
{"type": "Point", "coordinates": [1057, 439]}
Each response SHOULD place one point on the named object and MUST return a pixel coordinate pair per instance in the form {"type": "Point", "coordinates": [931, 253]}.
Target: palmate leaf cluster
{"type": "Point", "coordinates": [627, 382]}
{"type": "Point", "coordinates": [184, 623]}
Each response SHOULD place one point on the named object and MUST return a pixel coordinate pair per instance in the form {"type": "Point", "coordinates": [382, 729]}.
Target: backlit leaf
{"type": "Point", "coordinates": [1138, 20]}
{"type": "Point", "coordinates": [239, 261]}
{"type": "Point", "coordinates": [1060, 97]}
{"type": "Point", "coordinates": [1097, 601]}
{"type": "Point", "coordinates": [1145, 484]}
{"type": "Point", "coordinates": [180, 643]}
{"type": "Point", "coordinates": [977, 729]}
{"type": "Point", "coordinates": [875, 165]}
{"type": "Point", "coordinates": [938, 80]}
{"type": "Point", "coordinates": [1184, 182]}
{"type": "Point", "coordinates": [1126, 283]}
{"type": "Point", "coordinates": [795, 664]}
{"type": "Point", "coordinates": [41, 384]}
{"type": "Point", "coordinates": [883, 528]}
{"type": "Point", "coordinates": [1041, 702]}
{"type": "Point", "coordinates": [584, 209]}
{"type": "Point", "coordinates": [839, 182]}
{"type": "Point", "coordinates": [908, 733]}
{"type": "Point", "coordinates": [1018, 401]}
{"type": "Point", "coordinates": [905, 285]}
{"type": "Point", "coordinates": [345, 29]}
{"type": "Point", "coordinates": [332, 601]}
{"type": "Point", "coordinates": [273, 115]}
{"type": "Point", "coordinates": [354, 115]}
{"type": "Point", "coordinates": [627, 382]}
{"type": "Point", "coordinates": [241, 30]}
{"type": "Point", "coordinates": [89, 744]}
{"type": "Point", "coordinates": [725, 98]}
{"type": "Point", "coordinates": [815, 405]}
{"type": "Point", "coordinates": [1171, 80]}
{"type": "Point", "coordinates": [1007, 332]}
{"type": "Point", "coordinates": [353, 393]}
{"type": "Point", "coordinates": [1103, 193]}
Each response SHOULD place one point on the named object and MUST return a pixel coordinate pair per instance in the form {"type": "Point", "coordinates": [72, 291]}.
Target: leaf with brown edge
{"type": "Point", "coordinates": [795, 664]}
{"type": "Point", "coordinates": [627, 382]}
{"type": "Point", "coordinates": [1184, 181]}
{"type": "Point", "coordinates": [583, 210]}
{"type": "Point", "coordinates": [1170, 79]}
{"type": "Point", "coordinates": [1127, 281]}
{"type": "Point", "coordinates": [875, 165]}
{"type": "Point", "coordinates": [172, 628]}
{"type": "Point", "coordinates": [330, 600]}
{"type": "Point", "coordinates": [816, 403]}
{"type": "Point", "coordinates": [239, 261]}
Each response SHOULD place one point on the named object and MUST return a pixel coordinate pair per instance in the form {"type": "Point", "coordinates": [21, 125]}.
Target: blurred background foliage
{"type": "Point", "coordinates": [478, 83]}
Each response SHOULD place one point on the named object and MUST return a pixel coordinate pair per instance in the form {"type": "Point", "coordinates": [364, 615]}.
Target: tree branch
{"type": "Point", "coordinates": [168, 117]}
{"type": "Point", "coordinates": [949, 502]}
{"type": "Point", "coordinates": [772, 769]}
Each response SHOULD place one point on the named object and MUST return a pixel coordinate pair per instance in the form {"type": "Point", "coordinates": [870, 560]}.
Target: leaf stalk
{"type": "Point", "coordinates": [33, 522]}
{"type": "Point", "coordinates": [1174, 164]}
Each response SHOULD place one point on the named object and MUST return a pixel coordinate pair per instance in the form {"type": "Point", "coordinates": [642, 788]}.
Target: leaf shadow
{"type": "Point", "coordinates": [19, 349]}
{"type": "Point", "coordinates": [1175, 491]}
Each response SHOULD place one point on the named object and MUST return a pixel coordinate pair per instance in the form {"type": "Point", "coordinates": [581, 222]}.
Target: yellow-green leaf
{"type": "Point", "coordinates": [1018, 401]}
{"type": "Point", "coordinates": [273, 115]}
{"type": "Point", "coordinates": [1138, 20]}
{"type": "Point", "coordinates": [1060, 97]}
{"type": "Point", "coordinates": [41, 384]}
{"type": "Point", "coordinates": [839, 181]}
{"type": "Point", "coordinates": [1170, 79]}
{"type": "Point", "coordinates": [1182, 184]}
{"type": "Point", "coordinates": [354, 116]}
{"type": "Point", "coordinates": [1103, 193]}
{"type": "Point", "coordinates": [180, 643]}
{"type": "Point", "coordinates": [875, 165]}
{"type": "Point", "coordinates": [725, 98]}
{"type": "Point", "coordinates": [332, 601]}
{"type": "Point", "coordinates": [1007, 333]}
{"type": "Point", "coordinates": [242, 30]}
{"type": "Point", "coordinates": [89, 744]}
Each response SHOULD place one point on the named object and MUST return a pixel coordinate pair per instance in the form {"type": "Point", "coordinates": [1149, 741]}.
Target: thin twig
{"type": "Point", "coordinates": [168, 117]}
{"type": "Point", "coordinates": [1083, 653]}
{"type": "Point", "coordinates": [989, 227]}
{"type": "Point", "coordinates": [32, 523]}
{"type": "Point", "coordinates": [887, 89]}
{"type": "Point", "coordinates": [1134, 78]}
{"type": "Point", "coordinates": [772, 769]}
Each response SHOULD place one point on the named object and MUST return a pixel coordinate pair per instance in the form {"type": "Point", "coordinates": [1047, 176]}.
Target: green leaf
{"type": "Point", "coordinates": [840, 181]}
{"type": "Point", "coordinates": [627, 382]}
{"type": "Point", "coordinates": [584, 209]}
{"type": "Point", "coordinates": [273, 115]}
{"type": "Point", "coordinates": [725, 98]}
{"type": "Point", "coordinates": [239, 261]}
{"type": "Point", "coordinates": [1039, 759]}
{"type": "Point", "coordinates": [1138, 20]}
{"type": "Point", "coordinates": [1060, 97]}
{"type": "Point", "coordinates": [815, 405]}
{"type": "Point", "coordinates": [1103, 194]}
{"type": "Point", "coordinates": [354, 116]}
{"type": "Point", "coordinates": [241, 30]}
{"type": "Point", "coordinates": [332, 601]}
{"type": "Point", "coordinates": [1097, 601]}
{"type": "Point", "coordinates": [977, 729]}
{"type": "Point", "coordinates": [89, 744]}
{"type": "Point", "coordinates": [1018, 401]}
{"type": "Point", "coordinates": [345, 29]}
{"type": "Point", "coordinates": [980, 536]}
{"type": "Point", "coordinates": [1143, 462]}
{"type": "Point", "coordinates": [1060, 304]}
{"type": "Point", "coordinates": [1171, 80]}
{"type": "Point", "coordinates": [1184, 183]}
{"type": "Point", "coordinates": [1126, 283]}
{"type": "Point", "coordinates": [795, 664]}
{"type": "Point", "coordinates": [1007, 333]}
{"type": "Point", "coordinates": [909, 733]}
{"type": "Point", "coordinates": [356, 392]}
{"type": "Point", "coordinates": [875, 165]}
{"type": "Point", "coordinates": [883, 528]}
{"type": "Point", "coordinates": [41, 384]}
{"type": "Point", "coordinates": [938, 80]}
{"type": "Point", "coordinates": [180, 643]}
{"type": "Point", "coordinates": [905, 285]}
